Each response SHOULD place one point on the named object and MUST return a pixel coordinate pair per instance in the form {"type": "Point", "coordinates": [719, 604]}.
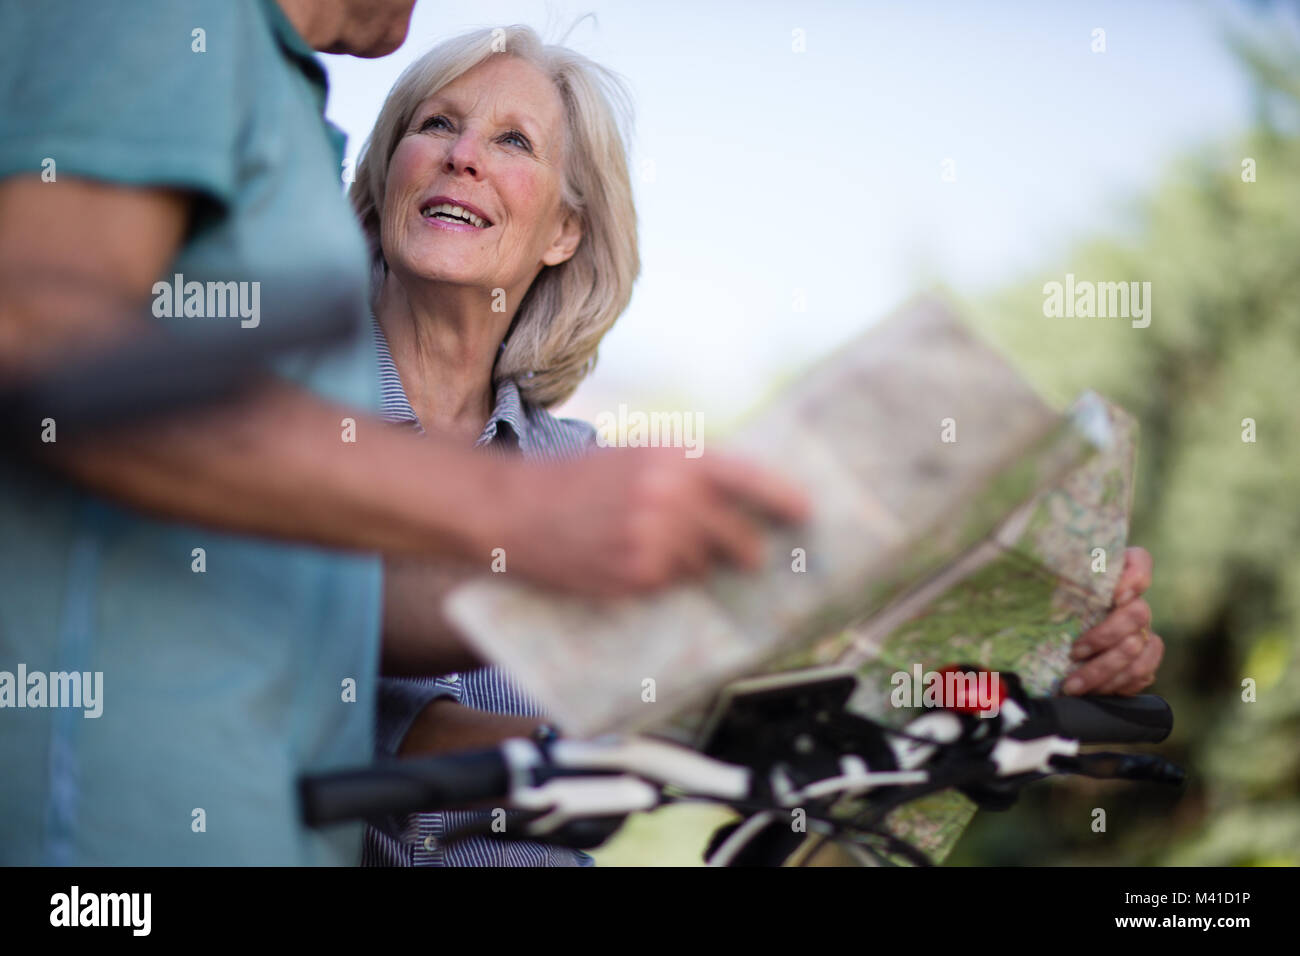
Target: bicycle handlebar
{"type": "Point", "coordinates": [1146, 719]}
{"type": "Point", "coordinates": [404, 786]}
{"type": "Point", "coordinates": [455, 780]}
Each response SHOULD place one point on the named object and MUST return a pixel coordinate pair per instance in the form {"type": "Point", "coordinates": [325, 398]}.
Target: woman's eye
{"type": "Point", "coordinates": [518, 138]}
{"type": "Point", "coordinates": [433, 122]}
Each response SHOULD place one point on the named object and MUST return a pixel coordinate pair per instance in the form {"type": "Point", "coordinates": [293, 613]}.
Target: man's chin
{"type": "Point", "coordinates": [389, 43]}
{"type": "Point", "coordinates": [373, 47]}
{"type": "Point", "coordinates": [375, 52]}
{"type": "Point", "coordinates": [372, 51]}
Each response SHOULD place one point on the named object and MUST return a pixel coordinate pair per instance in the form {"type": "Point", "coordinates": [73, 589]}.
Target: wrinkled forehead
{"type": "Point", "coordinates": [503, 91]}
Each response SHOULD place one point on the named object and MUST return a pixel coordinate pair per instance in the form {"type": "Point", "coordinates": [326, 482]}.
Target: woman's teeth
{"type": "Point", "coordinates": [449, 213]}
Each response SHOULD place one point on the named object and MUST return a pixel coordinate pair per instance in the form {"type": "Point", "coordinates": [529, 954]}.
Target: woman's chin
{"type": "Point", "coordinates": [444, 273]}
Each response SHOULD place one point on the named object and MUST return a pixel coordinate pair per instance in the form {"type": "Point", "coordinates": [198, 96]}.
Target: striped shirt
{"type": "Point", "coordinates": [416, 840]}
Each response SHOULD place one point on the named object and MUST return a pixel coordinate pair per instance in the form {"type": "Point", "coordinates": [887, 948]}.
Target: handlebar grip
{"type": "Point", "coordinates": [1145, 718]}
{"type": "Point", "coordinates": [403, 786]}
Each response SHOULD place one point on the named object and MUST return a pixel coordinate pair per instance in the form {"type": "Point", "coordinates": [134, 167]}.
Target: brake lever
{"type": "Point", "coordinates": [1118, 766]}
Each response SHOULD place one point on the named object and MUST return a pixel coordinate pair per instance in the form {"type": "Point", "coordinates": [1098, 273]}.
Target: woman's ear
{"type": "Point", "coordinates": [565, 243]}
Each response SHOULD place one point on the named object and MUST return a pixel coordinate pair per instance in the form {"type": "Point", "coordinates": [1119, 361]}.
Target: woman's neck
{"type": "Point", "coordinates": [444, 341]}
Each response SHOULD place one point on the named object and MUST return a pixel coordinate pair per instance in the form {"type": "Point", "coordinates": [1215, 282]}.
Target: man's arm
{"type": "Point", "coordinates": [269, 462]}
{"type": "Point", "coordinates": [445, 726]}
{"type": "Point", "coordinates": [272, 462]}
{"type": "Point", "coordinates": [417, 638]}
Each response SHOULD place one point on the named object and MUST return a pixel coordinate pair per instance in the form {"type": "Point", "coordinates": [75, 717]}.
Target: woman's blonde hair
{"type": "Point", "coordinates": [569, 307]}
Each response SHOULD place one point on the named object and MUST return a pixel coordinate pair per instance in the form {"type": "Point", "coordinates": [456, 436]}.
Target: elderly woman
{"type": "Point", "coordinates": [495, 191]}
{"type": "Point", "coordinates": [226, 683]}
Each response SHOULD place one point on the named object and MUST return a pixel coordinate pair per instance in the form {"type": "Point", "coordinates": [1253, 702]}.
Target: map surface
{"type": "Point", "coordinates": [956, 518]}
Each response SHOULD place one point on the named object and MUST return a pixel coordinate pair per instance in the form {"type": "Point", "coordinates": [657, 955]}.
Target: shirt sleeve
{"type": "Point", "coordinates": [143, 93]}
{"type": "Point", "coordinates": [400, 700]}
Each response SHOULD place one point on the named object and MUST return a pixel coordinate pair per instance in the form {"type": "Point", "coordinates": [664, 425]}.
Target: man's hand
{"type": "Point", "coordinates": [1120, 655]}
{"type": "Point", "coordinates": [620, 522]}
{"type": "Point", "coordinates": [605, 525]}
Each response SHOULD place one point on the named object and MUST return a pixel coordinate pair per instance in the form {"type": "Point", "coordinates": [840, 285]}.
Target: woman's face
{"type": "Point", "coordinates": [473, 194]}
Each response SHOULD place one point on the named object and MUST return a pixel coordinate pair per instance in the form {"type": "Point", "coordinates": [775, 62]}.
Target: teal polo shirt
{"type": "Point", "coordinates": [219, 685]}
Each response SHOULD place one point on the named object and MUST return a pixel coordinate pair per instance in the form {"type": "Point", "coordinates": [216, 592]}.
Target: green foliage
{"type": "Point", "coordinates": [1220, 515]}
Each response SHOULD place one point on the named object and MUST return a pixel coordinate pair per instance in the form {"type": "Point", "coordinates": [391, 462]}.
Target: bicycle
{"type": "Point", "coordinates": [772, 746]}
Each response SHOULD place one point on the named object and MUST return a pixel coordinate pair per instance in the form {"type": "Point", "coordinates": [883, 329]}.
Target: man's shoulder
{"type": "Point", "coordinates": [171, 86]}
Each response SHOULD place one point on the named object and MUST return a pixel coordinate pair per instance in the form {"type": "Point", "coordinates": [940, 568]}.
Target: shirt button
{"type": "Point", "coordinates": [430, 844]}
{"type": "Point", "coordinates": [452, 678]}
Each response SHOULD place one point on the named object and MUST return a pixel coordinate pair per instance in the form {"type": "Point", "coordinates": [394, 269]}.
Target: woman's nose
{"type": "Point", "coordinates": [464, 156]}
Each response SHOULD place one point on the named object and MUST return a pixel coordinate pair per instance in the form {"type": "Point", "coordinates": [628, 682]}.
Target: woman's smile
{"type": "Point", "coordinates": [455, 215]}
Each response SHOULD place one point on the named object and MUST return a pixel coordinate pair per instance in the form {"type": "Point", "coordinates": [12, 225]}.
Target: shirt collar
{"type": "Point", "coordinates": [396, 407]}
{"type": "Point", "coordinates": [295, 47]}
{"type": "Point", "coordinates": [509, 411]}
{"type": "Point", "coordinates": [291, 41]}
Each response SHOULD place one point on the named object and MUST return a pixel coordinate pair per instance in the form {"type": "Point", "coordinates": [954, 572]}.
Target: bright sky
{"type": "Point", "coordinates": [819, 174]}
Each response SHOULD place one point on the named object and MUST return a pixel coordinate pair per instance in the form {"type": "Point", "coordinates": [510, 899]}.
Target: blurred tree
{"type": "Point", "coordinates": [1221, 515]}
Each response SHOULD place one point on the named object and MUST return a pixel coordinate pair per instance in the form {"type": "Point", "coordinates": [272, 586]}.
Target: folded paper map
{"type": "Point", "coordinates": [956, 518]}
